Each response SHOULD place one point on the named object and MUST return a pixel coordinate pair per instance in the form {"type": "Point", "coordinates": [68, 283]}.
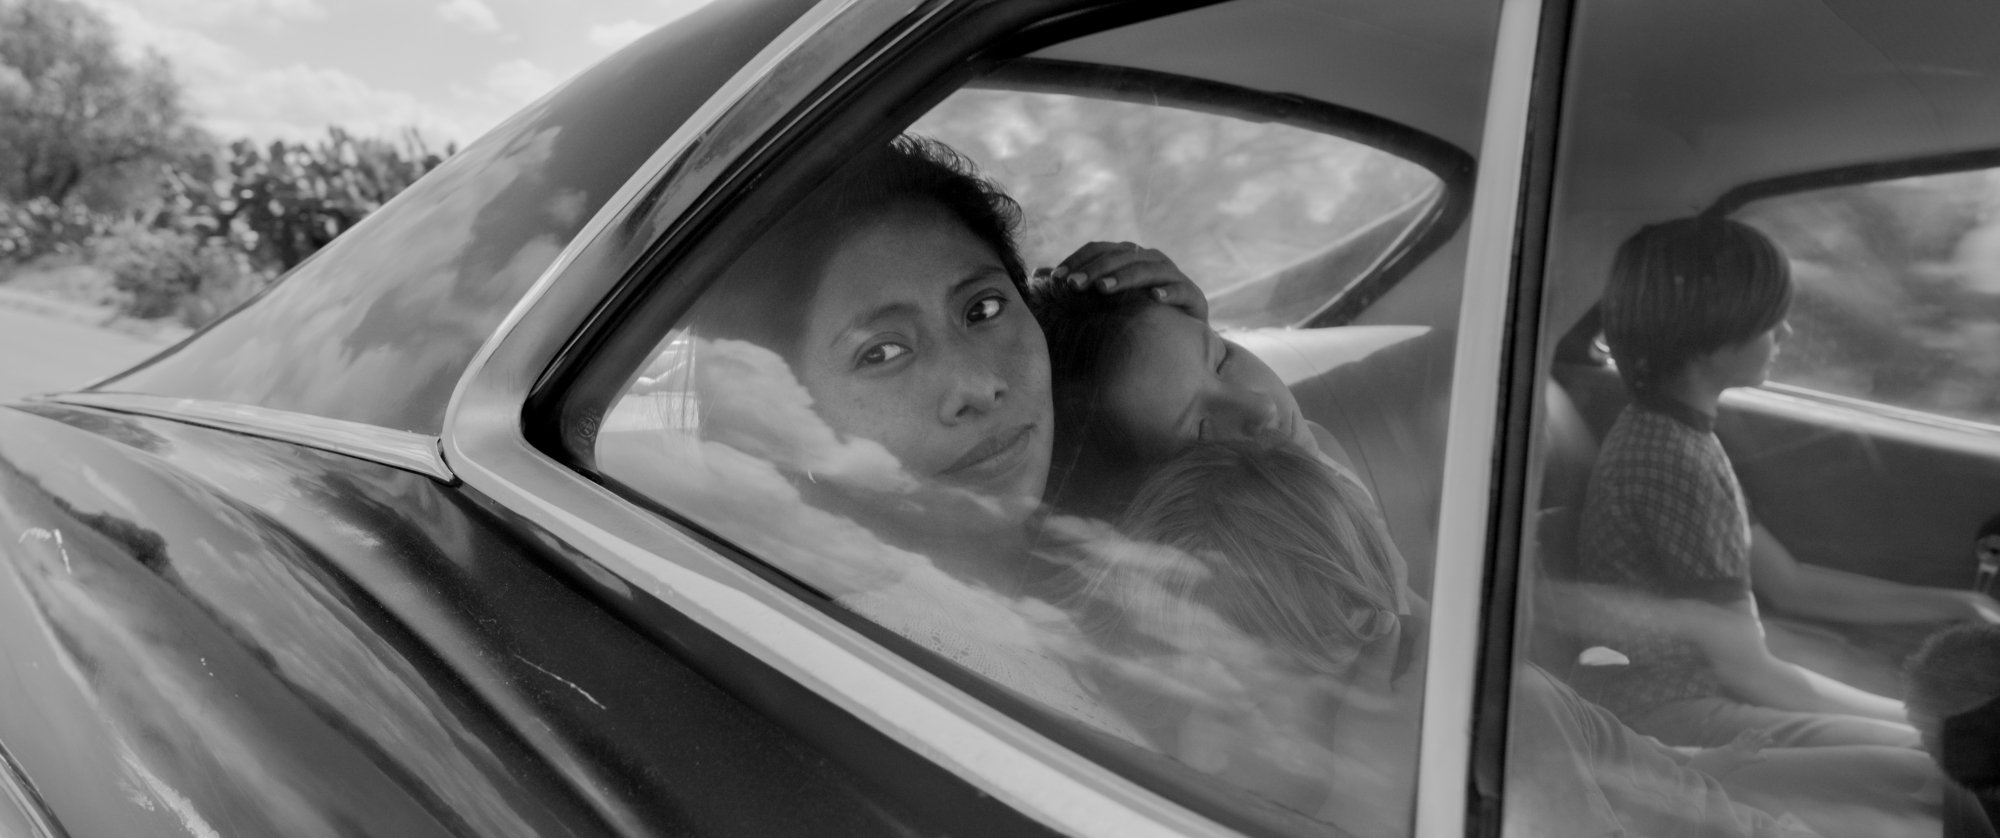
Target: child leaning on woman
{"type": "Point", "coordinates": [1280, 554]}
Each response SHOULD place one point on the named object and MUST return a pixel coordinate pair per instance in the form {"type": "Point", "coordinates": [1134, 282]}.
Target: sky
{"type": "Point", "coordinates": [268, 69]}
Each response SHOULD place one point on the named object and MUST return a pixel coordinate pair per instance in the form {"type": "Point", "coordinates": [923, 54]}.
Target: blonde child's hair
{"type": "Point", "coordinates": [1283, 547]}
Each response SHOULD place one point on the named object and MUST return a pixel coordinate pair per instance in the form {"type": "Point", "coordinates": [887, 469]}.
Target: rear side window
{"type": "Point", "coordinates": [1241, 201]}
{"type": "Point", "coordinates": [1897, 297]}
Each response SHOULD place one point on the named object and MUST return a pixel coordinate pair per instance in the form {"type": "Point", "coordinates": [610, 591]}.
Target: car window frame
{"type": "Point", "coordinates": [497, 432]}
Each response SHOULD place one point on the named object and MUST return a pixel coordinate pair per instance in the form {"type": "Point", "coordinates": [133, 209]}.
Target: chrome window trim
{"type": "Point", "coordinates": [483, 442]}
{"type": "Point", "coordinates": [406, 450]}
{"type": "Point", "coordinates": [19, 793]}
{"type": "Point", "coordinates": [1472, 431]}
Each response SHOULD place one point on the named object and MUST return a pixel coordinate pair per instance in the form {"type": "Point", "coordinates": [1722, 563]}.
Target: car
{"type": "Point", "coordinates": [405, 545]}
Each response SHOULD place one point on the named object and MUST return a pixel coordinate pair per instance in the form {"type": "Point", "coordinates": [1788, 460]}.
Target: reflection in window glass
{"type": "Point", "coordinates": [1239, 200]}
{"type": "Point", "coordinates": [1898, 297]}
{"type": "Point", "coordinates": [1091, 499]}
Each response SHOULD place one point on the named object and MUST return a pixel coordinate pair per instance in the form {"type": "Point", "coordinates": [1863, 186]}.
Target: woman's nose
{"type": "Point", "coordinates": [971, 390]}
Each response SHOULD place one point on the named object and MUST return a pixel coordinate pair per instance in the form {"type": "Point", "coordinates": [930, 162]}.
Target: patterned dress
{"type": "Point", "coordinates": [1664, 517]}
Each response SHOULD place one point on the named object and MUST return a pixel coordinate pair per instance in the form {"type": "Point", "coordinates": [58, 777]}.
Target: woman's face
{"type": "Point", "coordinates": [1174, 381]}
{"type": "Point", "coordinates": [917, 339]}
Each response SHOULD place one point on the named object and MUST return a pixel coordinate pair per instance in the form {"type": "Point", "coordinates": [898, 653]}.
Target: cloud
{"type": "Point", "coordinates": [235, 98]}
{"type": "Point", "coordinates": [519, 81]}
{"type": "Point", "coordinates": [471, 14]}
{"type": "Point", "coordinates": [671, 10]}
{"type": "Point", "coordinates": [199, 13]}
{"type": "Point", "coordinates": [300, 101]}
{"type": "Point", "coordinates": [614, 35]}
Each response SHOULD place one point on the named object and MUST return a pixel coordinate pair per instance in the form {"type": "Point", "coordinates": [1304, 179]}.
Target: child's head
{"type": "Point", "coordinates": [1136, 381]}
{"type": "Point", "coordinates": [1283, 549]}
{"type": "Point", "coordinates": [1683, 289]}
{"type": "Point", "coordinates": [1954, 701]}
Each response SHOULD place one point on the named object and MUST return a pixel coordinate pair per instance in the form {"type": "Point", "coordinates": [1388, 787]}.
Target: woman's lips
{"type": "Point", "coordinates": [994, 455]}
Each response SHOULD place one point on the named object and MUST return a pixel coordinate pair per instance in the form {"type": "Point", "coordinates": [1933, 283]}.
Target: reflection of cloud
{"type": "Point", "coordinates": [759, 466]}
{"type": "Point", "coordinates": [751, 401]}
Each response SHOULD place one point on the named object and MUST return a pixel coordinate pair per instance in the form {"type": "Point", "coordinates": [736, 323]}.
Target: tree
{"type": "Point", "coordinates": [76, 119]}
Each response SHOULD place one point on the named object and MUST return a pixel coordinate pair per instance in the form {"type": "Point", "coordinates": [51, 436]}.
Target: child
{"type": "Point", "coordinates": [1695, 307]}
{"type": "Point", "coordinates": [1276, 551]}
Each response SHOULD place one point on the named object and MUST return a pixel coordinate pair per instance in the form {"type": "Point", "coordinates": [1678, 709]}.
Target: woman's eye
{"type": "Point", "coordinates": [1227, 351]}
{"type": "Point", "coordinates": [986, 308]}
{"type": "Point", "coordinates": [882, 353]}
{"type": "Point", "coordinates": [1201, 431]}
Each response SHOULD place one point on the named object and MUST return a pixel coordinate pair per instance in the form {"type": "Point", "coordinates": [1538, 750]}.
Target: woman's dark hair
{"type": "Point", "coordinates": [1686, 288]}
{"type": "Point", "coordinates": [1084, 330]}
{"type": "Point", "coordinates": [785, 263]}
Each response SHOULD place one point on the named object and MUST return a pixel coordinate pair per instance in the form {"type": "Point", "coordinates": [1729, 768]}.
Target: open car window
{"type": "Point", "coordinates": [1897, 291]}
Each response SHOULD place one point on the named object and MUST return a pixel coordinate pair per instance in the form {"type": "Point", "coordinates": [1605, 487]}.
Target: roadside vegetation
{"type": "Point", "coordinates": [111, 194]}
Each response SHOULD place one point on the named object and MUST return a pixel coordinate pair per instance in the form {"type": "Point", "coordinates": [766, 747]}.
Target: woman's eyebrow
{"type": "Point", "coordinates": [983, 273]}
{"type": "Point", "coordinates": [881, 312]}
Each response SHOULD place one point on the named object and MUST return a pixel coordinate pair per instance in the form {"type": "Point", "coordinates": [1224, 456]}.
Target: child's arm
{"type": "Point", "coordinates": [1733, 639]}
{"type": "Point", "coordinates": [1827, 594]}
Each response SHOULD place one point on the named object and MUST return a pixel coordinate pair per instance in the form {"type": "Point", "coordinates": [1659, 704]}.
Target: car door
{"type": "Point", "coordinates": [726, 555]}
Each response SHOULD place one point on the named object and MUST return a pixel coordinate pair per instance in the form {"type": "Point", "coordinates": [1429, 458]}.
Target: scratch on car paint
{"type": "Point", "coordinates": [176, 802]}
{"type": "Point", "coordinates": [571, 684]}
{"type": "Point", "coordinates": [40, 534]}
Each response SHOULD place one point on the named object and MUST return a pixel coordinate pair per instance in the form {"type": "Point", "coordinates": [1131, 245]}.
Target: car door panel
{"type": "Point", "coordinates": [1862, 491]}
{"type": "Point", "coordinates": [392, 613]}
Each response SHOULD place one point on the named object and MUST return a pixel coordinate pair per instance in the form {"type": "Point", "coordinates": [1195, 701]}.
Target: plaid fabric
{"type": "Point", "coordinates": [1664, 516]}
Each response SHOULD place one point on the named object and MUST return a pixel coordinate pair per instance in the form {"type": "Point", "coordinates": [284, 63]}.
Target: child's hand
{"type": "Point", "coordinates": [1109, 267]}
{"type": "Point", "coordinates": [1745, 749]}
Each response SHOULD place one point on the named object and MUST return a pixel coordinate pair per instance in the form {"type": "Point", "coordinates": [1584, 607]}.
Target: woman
{"type": "Point", "coordinates": [904, 388]}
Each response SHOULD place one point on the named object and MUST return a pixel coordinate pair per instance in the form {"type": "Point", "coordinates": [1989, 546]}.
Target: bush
{"type": "Point", "coordinates": [280, 203]}
{"type": "Point", "coordinates": [40, 227]}
{"type": "Point", "coordinates": [161, 272]}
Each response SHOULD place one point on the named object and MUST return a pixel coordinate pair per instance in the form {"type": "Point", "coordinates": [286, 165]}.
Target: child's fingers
{"type": "Point", "coordinates": [1083, 263]}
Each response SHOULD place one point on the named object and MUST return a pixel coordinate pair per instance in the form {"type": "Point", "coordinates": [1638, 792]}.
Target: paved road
{"type": "Point", "coordinates": [39, 354]}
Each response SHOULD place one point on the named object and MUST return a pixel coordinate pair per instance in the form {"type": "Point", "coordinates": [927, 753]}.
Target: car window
{"type": "Point", "coordinates": [1897, 291]}
{"type": "Point", "coordinates": [1240, 200]}
{"type": "Point", "coordinates": [1749, 604]}
{"type": "Point", "coordinates": [891, 401]}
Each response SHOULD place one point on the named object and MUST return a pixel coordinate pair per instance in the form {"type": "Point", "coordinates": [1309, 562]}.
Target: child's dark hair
{"type": "Point", "coordinates": [1282, 546]}
{"type": "Point", "coordinates": [765, 295]}
{"type": "Point", "coordinates": [1954, 701]}
{"type": "Point", "coordinates": [1085, 330]}
{"type": "Point", "coordinates": [1685, 288]}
